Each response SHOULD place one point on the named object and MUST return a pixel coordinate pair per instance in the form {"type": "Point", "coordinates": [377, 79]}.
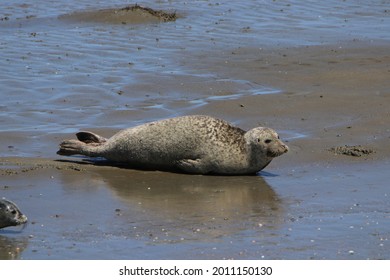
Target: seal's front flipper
{"type": "Point", "coordinates": [194, 166]}
{"type": "Point", "coordinates": [89, 137]}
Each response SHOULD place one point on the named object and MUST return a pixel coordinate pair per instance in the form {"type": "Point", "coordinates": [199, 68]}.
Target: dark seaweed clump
{"type": "Point", "coordinates": [164, 16]}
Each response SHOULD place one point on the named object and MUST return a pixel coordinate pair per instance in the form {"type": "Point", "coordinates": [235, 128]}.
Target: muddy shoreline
{"type": "Point", "coordinates": [329, 102]}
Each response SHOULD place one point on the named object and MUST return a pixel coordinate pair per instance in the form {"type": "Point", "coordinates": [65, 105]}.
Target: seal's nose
{"type": "Point", "coordinates": [283, 147]}
{"type": "Point", "coordinates": [23, 219]}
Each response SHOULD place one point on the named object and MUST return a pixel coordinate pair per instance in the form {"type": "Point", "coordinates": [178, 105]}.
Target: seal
{"type": "Point", "coordinates": [10, 215]}
{"type": "Point", "coordinates": [194, 144]}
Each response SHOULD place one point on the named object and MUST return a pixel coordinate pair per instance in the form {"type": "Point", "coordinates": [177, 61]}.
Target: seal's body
{"type": "Point", "coordinates": [10, 215]}
{"type": "Point", "coordinates": [192, 144]}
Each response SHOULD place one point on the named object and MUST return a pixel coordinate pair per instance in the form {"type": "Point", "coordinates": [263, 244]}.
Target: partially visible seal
{"type": "Point", "coordinates": [10, 215]}
{"type": "Point", "coordinates": [192, 144]}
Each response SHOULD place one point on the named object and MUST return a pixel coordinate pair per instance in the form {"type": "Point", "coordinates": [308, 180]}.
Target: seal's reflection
{"type": "Point", "coordinates": [11, 248]}
{"type": "Point", "coordinates": [177, 206]}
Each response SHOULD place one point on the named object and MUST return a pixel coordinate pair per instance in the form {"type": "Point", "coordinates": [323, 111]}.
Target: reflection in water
{"type": "Point", "coordinates": [92, 212]}
{"type": "Point", "coordinates": [167, 207]}
{"type": "Point", "coordinates": [11, 248]}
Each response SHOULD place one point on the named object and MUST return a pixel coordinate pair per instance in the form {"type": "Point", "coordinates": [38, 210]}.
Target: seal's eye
{"type": "Point", "coordinates": [267, 141]}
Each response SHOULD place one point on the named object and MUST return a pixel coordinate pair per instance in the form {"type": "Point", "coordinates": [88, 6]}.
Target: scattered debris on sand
{"type": "Point", "coordinates": [355, 151]}
{"type": "Point", "coordinates": [164, 16]}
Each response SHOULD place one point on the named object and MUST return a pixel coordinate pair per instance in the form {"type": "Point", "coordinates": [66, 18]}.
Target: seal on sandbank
{"type": "Point", "coordinates": [192, 144]}
{"type": "Point", "coordinates": [10, 215]}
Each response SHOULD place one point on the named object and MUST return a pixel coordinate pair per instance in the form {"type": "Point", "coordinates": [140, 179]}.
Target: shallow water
{"type": "Point", "coordinates": [60, 76]}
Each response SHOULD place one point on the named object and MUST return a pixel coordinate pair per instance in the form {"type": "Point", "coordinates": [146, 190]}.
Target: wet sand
{"type": "Point", "coordinates": [308, 204]}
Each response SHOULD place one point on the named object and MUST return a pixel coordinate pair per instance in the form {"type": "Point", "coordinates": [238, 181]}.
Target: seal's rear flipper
{"type": "Point", "coordinates": [71, 147]}
{"type": "Point", "coordinates": [89, 137]}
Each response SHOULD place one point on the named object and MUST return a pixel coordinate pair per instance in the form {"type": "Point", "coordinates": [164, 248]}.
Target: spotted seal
{"type": "Point", "coordinates": [194, 144]}
{"type": "Point", "coordinates": [10, 215]}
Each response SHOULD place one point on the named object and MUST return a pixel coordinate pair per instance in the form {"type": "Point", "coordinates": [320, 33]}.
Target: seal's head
{"type": "Point", "coordinates": [265, 141]}
{"type": "Point", "coordinates": [10, 214]}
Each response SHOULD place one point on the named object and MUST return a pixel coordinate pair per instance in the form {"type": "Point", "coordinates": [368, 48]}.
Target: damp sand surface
{"type": "Point", "coordinates": [324, 90]}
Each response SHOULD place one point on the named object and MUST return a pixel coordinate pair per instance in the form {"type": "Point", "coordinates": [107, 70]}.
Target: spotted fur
{"type": "Point", "coordinates": [192, 144]}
